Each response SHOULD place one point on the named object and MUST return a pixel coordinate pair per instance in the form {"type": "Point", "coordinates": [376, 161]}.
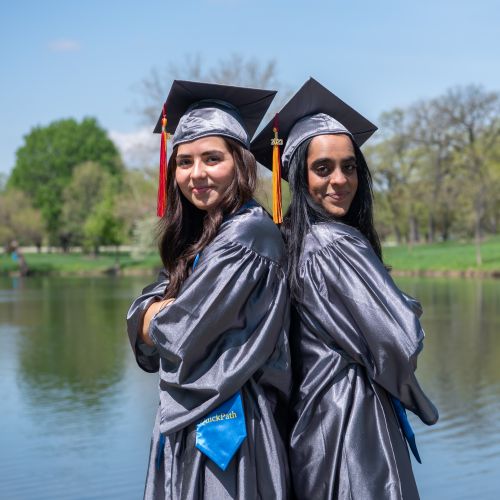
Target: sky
{"type": "Point", "coordinates": [77, 58]}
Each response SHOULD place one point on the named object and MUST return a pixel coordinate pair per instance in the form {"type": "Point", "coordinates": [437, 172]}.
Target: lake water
{"type": "Point", "coordinates": [77, 413]}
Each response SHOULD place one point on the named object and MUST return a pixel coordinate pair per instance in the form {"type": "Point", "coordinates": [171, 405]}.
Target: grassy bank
{"type": "Point", "coordinates": [80, 264]}
{"type": "Point", "coordinates": [439, 259]}
{"type": "Point", "coordinates": [450, 258]}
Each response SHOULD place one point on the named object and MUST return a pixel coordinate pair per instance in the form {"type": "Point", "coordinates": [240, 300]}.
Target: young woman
{"type": "Point", "coordinates": [355, 336]}
{"type": "Point", "coordinates": [215, 324]}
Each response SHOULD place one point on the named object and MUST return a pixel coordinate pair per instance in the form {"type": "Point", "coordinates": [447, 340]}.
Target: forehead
{"type": "Point", "coordinates": [330, 146]}
{"type": "Point", "coordinates": [199, 146]}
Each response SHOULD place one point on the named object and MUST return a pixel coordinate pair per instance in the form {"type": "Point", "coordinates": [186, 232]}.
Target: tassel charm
{"type": "Point", "coordinates": [162, 180]}
{"type": "Point", "coordinates": [276, 142]}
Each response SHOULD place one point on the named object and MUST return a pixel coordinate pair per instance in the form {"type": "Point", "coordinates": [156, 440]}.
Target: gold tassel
{"type": "Point", "coordinates": [276, 143]}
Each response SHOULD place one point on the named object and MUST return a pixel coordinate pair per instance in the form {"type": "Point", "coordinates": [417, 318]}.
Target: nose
{"type": "Point", "coordinates": [198, 170]}
{"type": "Point", "coordinates": [338, 177]}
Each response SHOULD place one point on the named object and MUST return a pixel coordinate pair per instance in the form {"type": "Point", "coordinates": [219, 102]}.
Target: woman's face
{"type": "Point", "coordinates": [205, 170]}
{"type": "Point", "coordinates": [331, 173]}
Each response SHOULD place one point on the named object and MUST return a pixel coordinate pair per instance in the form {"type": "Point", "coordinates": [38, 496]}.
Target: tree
{"type": "Point", "coordinates": [473, 115]}
{"type": "Point", "coordinates": [19, 220]}
{"type": "Point", "coordinates": [45, 163]}
{"type": "Point", "coordinates": [102, 227]}
{"type": "Point", "coordinates": [80, 197]}
{"type": "Point", "coordinates": [395, 163]}
{"type": "Point", "coordinates": [234, 70]}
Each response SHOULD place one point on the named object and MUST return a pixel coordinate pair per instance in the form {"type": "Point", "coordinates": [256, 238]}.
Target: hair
{"type": "Point", "coordinates": [303, 211]}
{"type": "Point", "coordinates": [185, 230]}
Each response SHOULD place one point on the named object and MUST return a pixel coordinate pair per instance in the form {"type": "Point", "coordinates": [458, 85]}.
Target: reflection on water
{"type": "Point", "coordinates": [77, 412]}
{"type": "Point", "coordinates": [460, 369]}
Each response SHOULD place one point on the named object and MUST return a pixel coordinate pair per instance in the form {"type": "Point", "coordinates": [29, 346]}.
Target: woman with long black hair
{"type": "Point", "coordinates": [355, 336]}
{"type": "Point", "coordinates": [215, 324]}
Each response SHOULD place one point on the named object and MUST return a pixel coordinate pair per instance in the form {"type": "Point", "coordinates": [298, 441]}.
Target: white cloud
{"type": "Point", "coordinates": [64, 45]}
{"type": "Point", "coordinates": [138, 148]}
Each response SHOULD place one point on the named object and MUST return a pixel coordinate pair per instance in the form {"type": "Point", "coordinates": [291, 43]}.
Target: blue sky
{"type": "Point", "coordinates": [75, 58]}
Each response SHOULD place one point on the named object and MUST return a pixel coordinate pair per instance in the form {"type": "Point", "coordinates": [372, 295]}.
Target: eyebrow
{"type": "Point", "coordinates": [329, 160]}
{"type": "Point", "coordinates": [205, 153]}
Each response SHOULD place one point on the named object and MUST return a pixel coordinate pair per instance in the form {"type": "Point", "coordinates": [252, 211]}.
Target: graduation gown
{"type": "Point", "coordinates": [227, 330]}
{"type": "Point", "coordinates": [355, 340]}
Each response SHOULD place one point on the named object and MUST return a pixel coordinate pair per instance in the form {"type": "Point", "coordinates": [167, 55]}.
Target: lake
{"type": "Point", "coordinates": [77, 412]}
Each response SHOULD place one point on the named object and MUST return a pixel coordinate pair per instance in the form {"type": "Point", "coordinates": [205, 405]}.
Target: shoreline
{"type": "Point", "coordinates": [127, 272]}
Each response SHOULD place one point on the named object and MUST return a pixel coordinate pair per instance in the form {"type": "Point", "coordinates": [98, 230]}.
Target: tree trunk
{"type": "Point", "coordinates": [432, 229]}
{"type": "Point", "coordinates": [477, 227]}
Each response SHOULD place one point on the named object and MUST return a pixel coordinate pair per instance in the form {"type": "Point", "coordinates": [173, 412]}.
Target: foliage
{"type": "Point", "coordinates": [436, 168]}
{"type": "Point", "coordinates": [45, 164]}
{"type": "Point", "coordinates": [19, 220]}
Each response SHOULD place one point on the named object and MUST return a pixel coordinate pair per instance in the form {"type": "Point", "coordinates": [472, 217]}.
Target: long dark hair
{"type": "Point", "coordinates": [303, 212]}
{"type": "Point", "coordinates": [185, 230]}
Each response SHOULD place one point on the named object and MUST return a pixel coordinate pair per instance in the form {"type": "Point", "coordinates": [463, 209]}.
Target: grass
{"type": "Point", "coordinates": [448, 256]}
{"type": "Point", "coordinates": [80, 264]}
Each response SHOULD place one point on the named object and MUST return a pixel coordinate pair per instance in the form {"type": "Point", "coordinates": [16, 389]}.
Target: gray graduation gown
{"type": "Point", "coordinates": [355, 339]}
{"type": "Point", "coordinates": [227, 330]}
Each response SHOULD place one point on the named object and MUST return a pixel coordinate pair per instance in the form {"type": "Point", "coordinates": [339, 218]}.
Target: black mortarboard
{"type": "Point", "coordinates": [195, 110]}
{"type": "Point", "coordinates": [312, 111]}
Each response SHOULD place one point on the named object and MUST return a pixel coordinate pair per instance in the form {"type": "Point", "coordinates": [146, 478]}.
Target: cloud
{"type": "Point", "coordinates": [138, 148]}
{"type": "Point", "coordinates": [64, 45]}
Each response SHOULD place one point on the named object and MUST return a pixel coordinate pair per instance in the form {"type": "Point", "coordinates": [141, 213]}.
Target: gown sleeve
{"type": "Point", "coordinates": [146, 356]}
{"type": "Point", "coordinates": [350, 298]}
{"type": "Point", "coordinates": [222, 327]}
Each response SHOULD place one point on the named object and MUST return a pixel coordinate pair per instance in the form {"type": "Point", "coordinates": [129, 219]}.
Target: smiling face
{"type": "Point", "coordinates": [331, 173]}
{"type": "Point", "coordinates": [205, 170]}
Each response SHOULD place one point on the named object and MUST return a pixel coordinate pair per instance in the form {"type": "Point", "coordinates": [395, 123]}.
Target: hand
{"type": "Point", "coordinates": [152, 310]}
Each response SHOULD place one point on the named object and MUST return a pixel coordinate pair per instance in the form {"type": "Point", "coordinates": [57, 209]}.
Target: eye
{"type": "Point", "coordinates": [322, 170]}
{"type": "Point", "coordinates": [184, 162]}
{"type": "Point", "coordinates": [349, 168]}
{"type": "Point", "coordinates": [213, 159]}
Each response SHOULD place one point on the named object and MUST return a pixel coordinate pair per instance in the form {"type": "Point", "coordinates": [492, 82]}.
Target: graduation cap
{"type": "Point", "coordinates": [194, 110]}
{"type": "Point", "coordinates": [312, 111]}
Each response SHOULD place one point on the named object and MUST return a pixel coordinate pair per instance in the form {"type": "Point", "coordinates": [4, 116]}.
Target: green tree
{"type": "Point", "coordinates": [84, 192]}
{"type": "Point", "coordinates": [19, 220]}
{"type": "Point", "coordinates": [103, 227]}
{"type": "Point", "coordinates": [45, 163]}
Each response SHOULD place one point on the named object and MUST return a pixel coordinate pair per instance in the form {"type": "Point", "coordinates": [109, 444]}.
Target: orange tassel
{"type": "Point", "coordinates": [162, 181]}
{"type": "Point", "coordinates": [276, 143]}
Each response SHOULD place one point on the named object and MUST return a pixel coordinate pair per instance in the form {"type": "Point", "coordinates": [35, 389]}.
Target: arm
{"type": "Point", "coordinates": [351, 299]}
{"type": "Point", "coordinates": [145, 305]}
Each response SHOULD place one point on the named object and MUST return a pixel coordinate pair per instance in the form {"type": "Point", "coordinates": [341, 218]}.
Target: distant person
{"type": "Point", "coordinates": [17, 256]}
{"type": "Point", "coordinates": [215, 324]}
{"type": "Point", "coordinates": [355, 336]}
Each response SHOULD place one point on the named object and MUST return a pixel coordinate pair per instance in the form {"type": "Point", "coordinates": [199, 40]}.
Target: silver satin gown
{"type": "Point", "coordinates": [227, 330]}
{"type": "Point", "coordinates": [355, 339]}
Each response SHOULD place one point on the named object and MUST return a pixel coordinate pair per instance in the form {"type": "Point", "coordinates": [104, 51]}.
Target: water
{"type": "Point", "coordinates": [77, 413]}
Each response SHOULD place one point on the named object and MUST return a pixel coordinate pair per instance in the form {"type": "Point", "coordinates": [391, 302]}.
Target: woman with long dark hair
{"type": "Point", "coordinates": [355, 336]}
{"type": "Point", "coordinates": [215, 323]}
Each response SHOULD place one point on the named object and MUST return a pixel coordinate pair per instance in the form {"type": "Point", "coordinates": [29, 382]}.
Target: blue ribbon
{"type": "Point", "coordinates": [406, 427]}
{"type": "Point", "coordinates": [220, 434]}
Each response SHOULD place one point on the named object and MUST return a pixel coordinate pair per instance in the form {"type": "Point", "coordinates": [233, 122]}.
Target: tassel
{"type": "Point", "coordinates": [276, 143]}
{"type": "Point", "coordinates": [162, 181]}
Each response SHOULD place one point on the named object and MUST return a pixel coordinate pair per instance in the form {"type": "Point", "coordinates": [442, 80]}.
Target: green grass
{"type": "Point", "coordinates": [438, 257]}
{"type": "Point", "coordinates": [449, 256]}
{"type": "Point", "coordinates": [80, 264]}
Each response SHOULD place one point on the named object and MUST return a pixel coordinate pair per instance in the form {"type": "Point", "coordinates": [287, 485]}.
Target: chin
{"type": "Point", "coordinates": [336, 211]}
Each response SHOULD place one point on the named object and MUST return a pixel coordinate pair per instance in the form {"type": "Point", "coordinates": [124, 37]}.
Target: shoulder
{"type": "Point", "coordinates": [331, 235]}
{"type": "Point", "coordinates": [254, 229]}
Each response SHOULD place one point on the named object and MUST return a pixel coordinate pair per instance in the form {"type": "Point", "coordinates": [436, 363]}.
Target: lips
{"type": "Point", "coordinates": [201, 189]}
{"type": "Point", "coordinates": [338, 196]}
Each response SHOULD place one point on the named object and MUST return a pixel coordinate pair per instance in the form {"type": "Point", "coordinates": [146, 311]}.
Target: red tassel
{"type": "Point", "coordinates": [162, 181]}
{"type": "Point", "coordinates": [277, 205]}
